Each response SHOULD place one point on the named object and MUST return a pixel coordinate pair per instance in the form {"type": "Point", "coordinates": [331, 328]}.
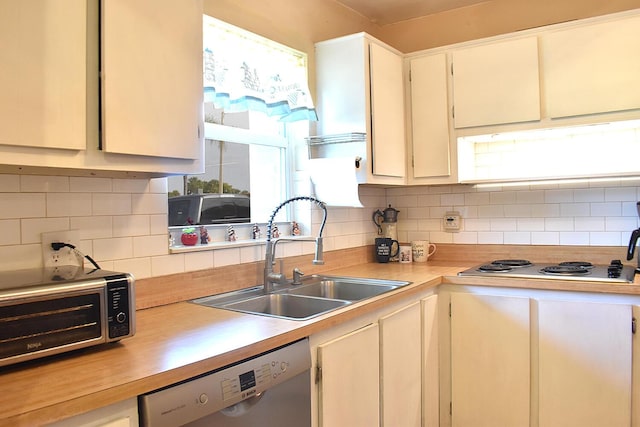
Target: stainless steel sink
{"type": "Point", "coordinates": [343, 288]}
{"type": "Point", "coordinates": [317, 295]}
{"type": "Point", "coordinates": [285, 305]}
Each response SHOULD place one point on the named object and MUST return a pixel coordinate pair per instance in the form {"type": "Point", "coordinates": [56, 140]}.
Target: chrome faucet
{"type": "Point", "coordinates": [270, 277]}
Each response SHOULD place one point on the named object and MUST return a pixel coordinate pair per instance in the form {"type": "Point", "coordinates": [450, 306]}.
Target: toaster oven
{"type": "Point", "coordinates": [54, 310]}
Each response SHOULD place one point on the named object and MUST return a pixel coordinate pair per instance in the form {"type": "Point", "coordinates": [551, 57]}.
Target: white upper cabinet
{"type": "Point", "coordinates": [152, 77]}
{"type": "Point", "coordinates": [592, 68]}
{"type": "Point", "coordinates": [431, 149]}
{"type": "Point", "coordinates": [496, 83]}
{"type": "Point", "coordinates": [43, 80]}
{"type": "Point", "coordinates": [360, 89]}
{"type": "Point", "coordinates": [152, 92]}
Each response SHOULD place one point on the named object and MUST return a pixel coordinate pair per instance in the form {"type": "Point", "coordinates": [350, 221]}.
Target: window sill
{"type": "Point", "coordinates": [178, 249]}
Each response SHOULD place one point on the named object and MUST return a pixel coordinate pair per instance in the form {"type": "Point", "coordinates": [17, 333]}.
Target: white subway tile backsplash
{"type": "Point", "coordinates": [158, 224]}
{"type": "Point", "coordinates": [517, 238]}
{"type": "Point", "coordinates": [558, 196]}
{"type": "Point", "coordinates": [123, 222]}
{"type": "Point", "coordinates": [490, 238]}
{"type": "Point", "coordinates": [545, 238]}
{"type": "Point", "coordinates": [198, 260]}
{"type": "Point", "coordinates": [574, 238]}
{"type": "Point", "coordinates": [111, 203]}
{"type": "Point", "coordinates": [93, 185]}
{"type": "Point", "coordinates": [588, 195]}
{"type": "Point", "coordinates": [10, 232]}
{"type": "Point", "coordinates": [148, 203]}
{"type": "Point", "coordinates": [22, 205]}
{"type": "Point", "coordinates": [144, 246]}
{"type": "Point", "coordinates": [606, 209]}
{"type": "Point", "coordinates": [597, 238]}
{"type": "Point", "coordinates": [167, 264]}
{"type": "Point", "coordinates": [621, 194]}
{"type": "Point", "coordinates": [42, 183]}
{"type": "Point", "coordinates": [575, 209]}
{"type": "Point", "coordinates": [32, 228]}
{"type": "Point", "coordinates": [9, 183]}
{"type": "Point", "coordinates": [131, 225]}
{"type": "Point", "coordinates": [621, 223]}
{"type": "Point", "coordinates": [17, 257]}
{"type": "Point", "coordinates": [530, 224]}
{"type": "Point", "coordinates": [158, 185]}
{"type": "Point", "coordinates": [130, 186]}
{"type": "Point", "coordinates": [558, 224]}
{"type": "Point", "coordinates": [68, 204]}
{"type": "Point", "coordinates": [113, 249]}
{"type": "Point", "coordinates": [93, 227]}
{"type": "Point", "coordinates": [592, 223]}
{"type": "Point", "coordinates": [139, 267]}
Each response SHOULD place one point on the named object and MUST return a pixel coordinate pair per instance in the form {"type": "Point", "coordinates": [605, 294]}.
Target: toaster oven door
{"type": "Point", "coordinates": [46, 326]}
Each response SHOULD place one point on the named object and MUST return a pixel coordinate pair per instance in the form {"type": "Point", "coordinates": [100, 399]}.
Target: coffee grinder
{"type": "Point", "coordinates": [635, 235]}
{"type": "Point", "coordinates": [387, 223]}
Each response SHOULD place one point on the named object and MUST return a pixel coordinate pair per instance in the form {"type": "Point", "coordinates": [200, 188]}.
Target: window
{"type": "Point", "coordinates": [256, 106]}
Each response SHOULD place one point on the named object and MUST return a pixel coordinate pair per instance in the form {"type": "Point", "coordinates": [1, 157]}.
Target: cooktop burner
{"type": "Point", "coordinates": [512, 262]}
{"type": "Point", "coordinates": [565, 270]}
{"type": "Point", "coordinates": [615, 272]}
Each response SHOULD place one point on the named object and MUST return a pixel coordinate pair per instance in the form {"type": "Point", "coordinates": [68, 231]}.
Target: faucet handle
{"type": "Point", "coordinates": [297, 276]}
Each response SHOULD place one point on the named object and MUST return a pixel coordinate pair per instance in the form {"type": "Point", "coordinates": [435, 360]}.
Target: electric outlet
{"type": "Point", "coordinates": [452, 221]}
{"type": "Point", "coordinates": [63, 256]}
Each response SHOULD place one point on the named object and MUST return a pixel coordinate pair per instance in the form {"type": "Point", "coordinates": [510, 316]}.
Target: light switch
{"type": "Point", "coordinates": [452, 221]}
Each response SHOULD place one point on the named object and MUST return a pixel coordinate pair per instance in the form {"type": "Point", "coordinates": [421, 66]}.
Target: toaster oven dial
{"type": "Point", "coordinates": [121, 317]}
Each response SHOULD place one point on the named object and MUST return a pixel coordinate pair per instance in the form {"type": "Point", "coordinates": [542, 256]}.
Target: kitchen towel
{"type": "Point", "coordinates": [335, 181]}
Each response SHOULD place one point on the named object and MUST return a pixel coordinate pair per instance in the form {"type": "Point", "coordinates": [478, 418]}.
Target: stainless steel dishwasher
{"type": "Point", "coordinates": [270, 389]}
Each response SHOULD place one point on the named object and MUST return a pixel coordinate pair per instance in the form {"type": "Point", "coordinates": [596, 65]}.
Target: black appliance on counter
{"type": "Point", "coordinates": [615, 272]}
{"type": "Point", "coordinates": [635, 235]}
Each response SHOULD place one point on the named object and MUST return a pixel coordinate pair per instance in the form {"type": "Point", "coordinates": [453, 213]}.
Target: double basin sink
{"type": "Point", "coordinates": [316, 295]}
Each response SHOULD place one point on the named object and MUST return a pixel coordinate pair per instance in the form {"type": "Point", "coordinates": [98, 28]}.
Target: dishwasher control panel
{"type": "Point", "coordinates": [212, 392]}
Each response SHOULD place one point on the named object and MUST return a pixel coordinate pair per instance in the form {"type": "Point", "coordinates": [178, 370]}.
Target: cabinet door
{"type": "Point", "coordinates": [44, 73]}
{"type": "Point", "coordinates": [430, 117]}
{"type": "Point", "coordinates": [490, 360]}
{"type": "Point", "coordinates": [592, 69]}
{"type": "Point", "coordinates": [349, 392]}
{"type": "Point", "coordinates": [400, 367]}
{"type": "Point", "coordinates": [387, 112]}
{"type": "Point", "coordinates": [584, 364]}
{"type": "Point", "coordinates": [496, 83]}
{"type": "Point", "coordinates": [152, 77]}
{"type": "Point", "coordinates": [430, 362]}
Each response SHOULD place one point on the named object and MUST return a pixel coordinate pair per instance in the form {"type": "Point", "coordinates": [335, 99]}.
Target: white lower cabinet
{"type": "Point", "coordinates": [540, 358]}
{"type": "Point", "coordinates": [490, 360]}
{"type": "Point", "coordinates": [348, 388]}
{"type": "Point", "coordinates": [400, 367]}
{"type": "Point", "coordinates": [585, 363]}
{"type": "Point", "coordinates": [371, 371]}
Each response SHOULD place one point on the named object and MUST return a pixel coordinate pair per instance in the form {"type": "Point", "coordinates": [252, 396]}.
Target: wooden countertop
{"type": "Point", "coordinates": [181, 340]}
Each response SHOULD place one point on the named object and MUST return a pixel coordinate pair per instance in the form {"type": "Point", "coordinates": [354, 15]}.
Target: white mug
{"type": "Point", "coordinates": [422, 250]}
{"type": "Point", "coordinates": [405, 253]}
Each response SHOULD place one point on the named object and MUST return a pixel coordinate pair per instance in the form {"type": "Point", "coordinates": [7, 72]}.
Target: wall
{"type": "Point", "coordinates": [123, 224]}
{"type": "Point", "coordinates": [491, 18]}
{"type": "Point", "coordinates": [587, 214]}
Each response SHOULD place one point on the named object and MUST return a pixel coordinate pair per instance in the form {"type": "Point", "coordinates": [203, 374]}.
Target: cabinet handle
{"type": "Point", "coordinates": [633, 325]}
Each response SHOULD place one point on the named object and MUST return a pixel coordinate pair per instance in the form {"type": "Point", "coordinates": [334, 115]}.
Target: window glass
{"type": "Point", "coordinates": [250, 101]}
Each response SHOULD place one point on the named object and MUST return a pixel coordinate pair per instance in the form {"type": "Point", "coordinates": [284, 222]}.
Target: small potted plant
{"type": "Point", "coordinates": [189, 236]}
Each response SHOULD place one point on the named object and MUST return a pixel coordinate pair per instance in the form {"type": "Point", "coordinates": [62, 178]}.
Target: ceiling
{"type": "Point", "coordinates": [383, 12]}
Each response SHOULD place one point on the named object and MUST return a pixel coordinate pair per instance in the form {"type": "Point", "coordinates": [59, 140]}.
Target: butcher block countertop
{"type": "Point", "coordinates": [181, 340]}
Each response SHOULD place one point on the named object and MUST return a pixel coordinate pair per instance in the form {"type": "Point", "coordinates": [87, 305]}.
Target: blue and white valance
{"type": "Point", "coordinates": [246, 72]}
